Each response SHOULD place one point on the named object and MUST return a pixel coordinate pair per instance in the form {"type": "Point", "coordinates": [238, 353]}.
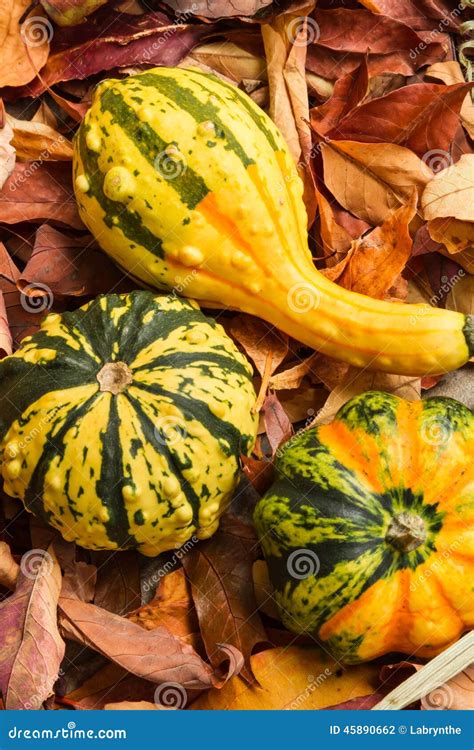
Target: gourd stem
{"type": "Point", "coordinates": [406, 532]}
{"type": "Point", "coordinates": [114, 377]}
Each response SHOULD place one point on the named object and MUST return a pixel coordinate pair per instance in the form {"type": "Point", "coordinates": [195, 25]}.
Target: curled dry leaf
{"type": "Point", "coordinates": [292, 678]}
{"type": "Point", "coordinates": [451, 192]}
{"type": "Point", "coordinates": [31, 649]}
{"type": "Point", "coordinates": [220, 572]}
{"type": "Point", "coordinates": [285, 40]}
{"type": "Point", "coordinates": [418, 16]}
{"type": "Point", "coordinates": [9, 568]}
{"type": "Point", "coordinates": [111, 40]}
{"type": "Point", "coordinates": [374, 263]}
{"type": "Point", "coordinates": [37, 141]}
{"type": "Point", "coordinates": [25, 49]}
{"type": "Point", "coordinates": [371, 180]}
{"type": "Point", "coordinates": [37, 190]}
{"type": "Point", "coordinates": [156, 655]}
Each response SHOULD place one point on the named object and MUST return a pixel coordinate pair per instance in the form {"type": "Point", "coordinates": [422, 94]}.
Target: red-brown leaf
{"type": "Point", "coordinates": [220, 571]}
{"type": "Point", "coordinates": [157, 655]}
{"type": "Point", "coordinates": [111, 40]}
{"type": "Point", "coordinates": [38, 190]}
{"type": "Point", "coordinates": [423, 117]}
{"type": "Point", "coordinates": [70, 266]}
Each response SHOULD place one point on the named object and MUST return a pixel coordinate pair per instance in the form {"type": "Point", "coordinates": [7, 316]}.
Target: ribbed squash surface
{"type": "Point", "coordinates": [122, 423]}
{"type": "Point", "coordinates": [369, 530]}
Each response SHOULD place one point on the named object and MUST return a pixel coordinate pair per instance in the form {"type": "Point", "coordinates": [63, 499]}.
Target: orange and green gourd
{"type": "Point", "coordinates": [368, 531]}
{"type": "Point", "coordinates": [122, 423]}
{"type": "Point", "coordinates": [188, 184]}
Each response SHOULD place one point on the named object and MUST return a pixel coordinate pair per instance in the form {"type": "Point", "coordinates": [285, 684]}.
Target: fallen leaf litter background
{"type": "Point", "coordinates": [374, 100]}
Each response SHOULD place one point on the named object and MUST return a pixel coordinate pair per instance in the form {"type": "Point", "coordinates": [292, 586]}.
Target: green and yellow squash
{"type": "Point", "coordinates": [368, 531]}
{"type": "Point", "coordinates": [122, 423]}
{"type": "Point", "coordinates": [187, 184]}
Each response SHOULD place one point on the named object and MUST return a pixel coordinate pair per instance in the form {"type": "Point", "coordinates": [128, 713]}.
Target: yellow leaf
{"type": "Point", "coordinates": [372, 179]}
{"type": "Point", "coordinates": [35, 140]}
{"type": "Point", "coordinates": [456, 235]}
{"type": "Point", "coordinates": [292, 678]}
{"type": "Point", "coordinates": [25, 49]}
{"type": "Point", "coordinates": [451, 192]}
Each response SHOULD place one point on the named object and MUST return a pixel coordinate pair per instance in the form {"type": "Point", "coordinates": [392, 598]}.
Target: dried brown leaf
{"type": "Point", "coordinates": [31, 649]}
{"type": "Point", "coordinates": [156, 655]}
{"type": "Point", "coordinates": [9, 568]}
{"type": "Point", "coordinates": [23, 49]}
{"type": "Point", "coordinates": [220, 572]}
{"type": "Point", "coordinates": [277, 423]}
{"type": "Point", "coordinates": [451, 192]}
{"type": "Point", "coordinates": [37, 141]}
{"type": "Point", "coordinates": [372, 179]}
{"type": "Point", "coordinates": [39, 191]}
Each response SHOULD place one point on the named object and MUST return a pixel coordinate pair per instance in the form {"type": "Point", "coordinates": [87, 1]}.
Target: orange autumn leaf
{"type": "Point", "coordinates": [292, 678]}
